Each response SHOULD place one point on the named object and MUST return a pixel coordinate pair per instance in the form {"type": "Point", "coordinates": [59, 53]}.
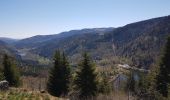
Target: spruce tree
{"type": "Point", "coordinates": [130, 86]}
{"type": "Point", "coordinates": [163, 78]}
{"type": "Point", "coordinates": [86, 79]}
{"type": "Point", "coordinates": [10, 71]}
{"type": "Point", "coordinates": [66, 74]}
{"type": "Point", "coordinates": [105, 85]}
{"type": "Point", "coordinates": [1, 73]}
{"type": "Point", "coordinates": [147, 85]}
{"type": "Point", "coordinates": [58, 82]}
{"type": "Point", "coordinates": [1, 76]}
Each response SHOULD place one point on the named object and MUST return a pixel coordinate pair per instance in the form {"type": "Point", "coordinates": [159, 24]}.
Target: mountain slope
{"type": "Point", "coordinates": [40, 40]}
{"type": "Point", "coordinates": [6, 49]}
{"type": "Point", "coordinates": [8, 40]}
{"type": "Point", "coordinates": [140, 42]}
{"type": "Point", "coordinates": [26, 46]}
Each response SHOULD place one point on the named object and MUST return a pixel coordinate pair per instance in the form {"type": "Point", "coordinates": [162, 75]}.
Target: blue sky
{"type": "Point", "coordinates": [25, 18]}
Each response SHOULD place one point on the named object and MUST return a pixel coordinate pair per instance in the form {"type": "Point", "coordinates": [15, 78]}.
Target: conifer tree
{"type": "Point", "coordinates": [105, 86]}
{"type": "Point", "coordinates": [147, 85]}
{"type": "Point", "coordinates": [1, 76]}
{"type": "Point", "coordinates": [163, 78]}
{"type": "Point", "coordinates": [66, 74]}
{"type": "Point", "coordinates": [130, 86]}
{"type": "Point", "coordinates": [58, 82]}
{"type": "Point", "coordinates": [10, 71]}
{"type": "Point", "coordinates": [86, 78]}
{"type": "Point", "coordinates": [141, 82]}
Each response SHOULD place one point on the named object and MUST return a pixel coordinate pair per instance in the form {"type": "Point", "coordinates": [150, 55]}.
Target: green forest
{"type": "Point", "coordinates": [124, 63]}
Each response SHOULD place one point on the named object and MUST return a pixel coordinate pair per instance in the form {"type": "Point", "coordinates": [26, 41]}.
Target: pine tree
{"type": "Point", "coordinates": [163, 78]}
{"type": "Point", "coordinates": [130, 86]}
{"type": "Point", "coordinates": [11, 73]}
{"type": "Point", "coordinates": [104, 85]}
{"type": "Point", "coordinates": [66, 74]}
{"type": "Point", "coordinates": [1, 76]}
{"type": "Point", "coordinates": [147, 85]}
{"type": "Point", "coordinates": [86, 78]}
{"type": "Point", "coordinates": [58, 82]}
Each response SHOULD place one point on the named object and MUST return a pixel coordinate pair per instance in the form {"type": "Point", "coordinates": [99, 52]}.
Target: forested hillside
{"type": "Point", "coordinates": [141, 41]}
{"type": "Point", "coordinates": [5, 48]}
{"type": "Point", "coordinates": [138, 42]}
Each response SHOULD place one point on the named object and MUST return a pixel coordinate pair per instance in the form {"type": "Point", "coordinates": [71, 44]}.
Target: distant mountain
{"type": "Point", "coordinates": [6, 49]}
{"type": "Point", "coordinates": [142, 41]}
{"type": "Point", "coordinates": [8, 40]}
{"type": "Point", "coordinates": [32, 41]}
{"type": "Point", "coordinates": [138, 43]}
{"type": "Point", "coordinates": [6, 46]}
{"type": "Point", "coordinates": [40, 40]}
{"type": "Point", "coordinates": [26, 46]}
{"type": "Point", "coordinates": [2, 43]}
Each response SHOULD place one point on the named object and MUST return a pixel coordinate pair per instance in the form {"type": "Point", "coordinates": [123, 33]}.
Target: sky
{"type": "Point", "coordinates": [25, 18]}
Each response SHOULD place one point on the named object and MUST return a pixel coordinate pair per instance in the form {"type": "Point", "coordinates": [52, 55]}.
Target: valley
{"type": "Point", "coordinates": [84, 50]}
{"type": "Point", "coordinates": [113, 50]}
{"type": "Point", "coordinates": [137, 44]}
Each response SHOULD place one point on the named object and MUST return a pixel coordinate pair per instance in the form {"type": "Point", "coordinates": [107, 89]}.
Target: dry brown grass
{"type": "Point", "coordinates": [21, 94]}
{"type": "Point", "coordinates": [115, 96]}
{"type": "Point", "coordinates": [34, 83]}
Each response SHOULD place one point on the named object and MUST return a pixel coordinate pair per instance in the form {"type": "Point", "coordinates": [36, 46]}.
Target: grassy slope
{"type": "Point", "coordinates": [22, 94]}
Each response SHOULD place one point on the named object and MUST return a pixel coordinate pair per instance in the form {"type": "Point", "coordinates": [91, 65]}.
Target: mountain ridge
{"type": "Point", "coordinates": [139, 43]}
{"type": "Point", "coordinates": [31, 41]}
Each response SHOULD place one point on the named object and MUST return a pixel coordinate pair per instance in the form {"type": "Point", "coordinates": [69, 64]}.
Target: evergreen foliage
{"type": "Point", "coordinates": [10, 71]}
{"type": "Point", "coordinates": [59, 78]}
{"type": "Point", "coordinates": [141, 86]}
{"type": "Point", "coordinates": [66, 74]}
{"type": "Point", "coordinates": [86, 79]}
{"type": "Point", "coordinates": [1, 76]}
{"type": "Point", "coordinates": [131, 83]}
{"type": "Point", "coordinates": [163, 78]}
{"type": "Point", "coordinates": [104, 85]}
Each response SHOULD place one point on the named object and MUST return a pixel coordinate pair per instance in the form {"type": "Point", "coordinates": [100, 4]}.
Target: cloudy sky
{"type": "Point", "coordinates": [25, 18]}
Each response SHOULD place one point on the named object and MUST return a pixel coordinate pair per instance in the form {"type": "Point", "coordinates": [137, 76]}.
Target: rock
{"type": "Point", "coordinates": [42, 91]}
{"type": "Point", "coordinates": [4, 85]}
